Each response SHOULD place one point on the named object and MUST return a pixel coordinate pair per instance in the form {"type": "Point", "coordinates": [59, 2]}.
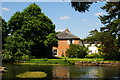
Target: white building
{"type": "Point", "coordinates": [93, 48]}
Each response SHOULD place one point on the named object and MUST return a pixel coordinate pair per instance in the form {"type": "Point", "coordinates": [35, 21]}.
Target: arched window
{"type": "Point", "coordinates": [70, 41]}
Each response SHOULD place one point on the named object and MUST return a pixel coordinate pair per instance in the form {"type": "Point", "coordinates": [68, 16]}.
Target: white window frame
{"type": "Point", "coordinates": [57, 52]}
{"type": "Point", "coordinates": [68, 41]}
{"type": "Point", "coordinates": [73, 41]}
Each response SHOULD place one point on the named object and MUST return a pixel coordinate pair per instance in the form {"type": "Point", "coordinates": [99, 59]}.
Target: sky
{"type": "Point", "coordinates": [62, 15]}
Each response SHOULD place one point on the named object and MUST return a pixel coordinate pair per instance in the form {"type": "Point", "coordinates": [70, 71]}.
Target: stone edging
{"type": "Point", "coordinates": [97, 63]}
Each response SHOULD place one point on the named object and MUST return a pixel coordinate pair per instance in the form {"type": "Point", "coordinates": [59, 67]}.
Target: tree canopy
{"type": "Point", "coordinates": [31, 33]}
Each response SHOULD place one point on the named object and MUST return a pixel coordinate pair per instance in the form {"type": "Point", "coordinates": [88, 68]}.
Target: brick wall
{"type": "Point", "coordinates": [63, 46]}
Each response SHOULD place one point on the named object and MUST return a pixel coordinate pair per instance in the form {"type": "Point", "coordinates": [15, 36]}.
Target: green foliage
{"type": "Point", "coordinates": [25, 57]}
{"type": "Point", "coordinates": [81, 6]}
{"type": "Point", "coordinates": [76, 51]}
{"type": "Point", "coordinates": [94, 55]}
{"type": "Point", "coordinates": [4, 30]}
{"type": "Point", "coordinates": [109, 34]}
{"type": "Point", "coordinates": [51, 40]}
{"type": "Point", "coordinates": [6, 56]}
{"type": "Point", "coordinates": [111, 21]}
{"type": "Point", "coordinates": [93, 36]}
{"type": "Point", "coordinates": [35, 74]}
{"type": "Point", "coordinates": [50, 61]}
{"type": "Point", "coordinates": [31, 33]}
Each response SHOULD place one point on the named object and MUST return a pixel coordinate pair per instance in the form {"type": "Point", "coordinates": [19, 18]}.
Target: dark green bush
{"type": "Point", "coordinates": [76, 51]}
{"type": "Point", "coordinates": [112, 56]}
{"type": "Point", "coordinates": [6, 56]}
{"type": "Point", "coordinates": [25, 57]}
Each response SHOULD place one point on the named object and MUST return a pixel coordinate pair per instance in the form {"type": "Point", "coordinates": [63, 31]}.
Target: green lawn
{"type": "Point", "coordinates": [63, 60]}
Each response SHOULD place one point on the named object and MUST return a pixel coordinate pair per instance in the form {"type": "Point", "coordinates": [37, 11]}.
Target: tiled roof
{"type": "Point", "coordinates": [67, 35]}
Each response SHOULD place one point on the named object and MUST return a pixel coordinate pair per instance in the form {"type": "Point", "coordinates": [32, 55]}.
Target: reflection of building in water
{"type": "Point", "coordinates": [95, 73]}
{"type": "Point", "coordinates": [60, 72]}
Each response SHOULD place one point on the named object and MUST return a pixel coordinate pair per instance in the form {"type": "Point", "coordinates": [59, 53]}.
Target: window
{"type": "Point", "coordinates": [54, 51]}
{"type": "Point", "coordinates": [70, 41]}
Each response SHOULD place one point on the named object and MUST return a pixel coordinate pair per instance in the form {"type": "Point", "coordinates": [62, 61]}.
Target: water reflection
{"type": "Point", "coordinates": [66, 72]}
{"type": "Point", "coordinates": [60, 72]}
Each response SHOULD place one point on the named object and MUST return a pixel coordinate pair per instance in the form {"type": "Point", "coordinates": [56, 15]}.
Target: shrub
{"type": "Point", "coordinates": [18, 57]}
{"type": "Point", "coordinates": [25, 57]}
{"type": "Point", "coordinates": [76, 51]}
{"type": "Point", "coordinates": [94, 55]}
{"type": "Point", "coordinates": [6, 56]}
{"type": "Point", "coordinates": [112, 56]}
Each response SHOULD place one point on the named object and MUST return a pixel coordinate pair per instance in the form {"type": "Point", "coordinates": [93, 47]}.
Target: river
{"type": "Point", "coordinates": [64, 72]}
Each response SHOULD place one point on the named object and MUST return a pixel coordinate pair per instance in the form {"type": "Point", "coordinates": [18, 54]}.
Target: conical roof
{"type": "Point", "coordinates": [67, 35]}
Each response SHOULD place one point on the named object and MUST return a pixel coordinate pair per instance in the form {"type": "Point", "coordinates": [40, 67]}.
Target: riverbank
{"type": "Point", "coordinates": [97, 63]}
{"type": "Point", "coordinates": [73, 61]}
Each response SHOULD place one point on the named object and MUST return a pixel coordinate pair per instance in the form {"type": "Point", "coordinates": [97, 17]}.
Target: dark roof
{"type": "Point", "coordinates": [66, 35]}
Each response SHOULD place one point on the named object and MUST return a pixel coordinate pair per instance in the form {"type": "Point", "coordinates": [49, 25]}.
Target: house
{"type": "Point", "coordinates": [92, 47]}
{"type": "Point", "coordinates": [65, 38]}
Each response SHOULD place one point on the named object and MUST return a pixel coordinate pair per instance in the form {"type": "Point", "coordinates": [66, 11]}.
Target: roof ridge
{"type": "Point", "coordinates": [66, 34]}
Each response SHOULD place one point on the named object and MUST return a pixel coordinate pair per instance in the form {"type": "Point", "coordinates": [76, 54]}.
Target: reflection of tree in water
{"type": "Point", "coordinates": [110, 72]}
{"type": "Point", "coordinates": [61, 72]}
{"type": "Point", "coordinates": [13, 70]}
{"type": "Point", "coordinates": [94, 72]}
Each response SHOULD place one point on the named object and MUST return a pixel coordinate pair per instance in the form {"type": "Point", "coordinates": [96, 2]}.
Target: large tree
{"type": "Point", "coordinates": [32, 29]}
{"type": "Point", "coordinates": [3, 30]}
{"type": "Point", "coordinates": [111, 23]}
{"type": "Point", "coordinates": [112, 19]}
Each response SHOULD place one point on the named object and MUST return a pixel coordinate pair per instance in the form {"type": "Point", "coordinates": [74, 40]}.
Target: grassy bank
{"type": "Point", "coordinates": [65, 61]}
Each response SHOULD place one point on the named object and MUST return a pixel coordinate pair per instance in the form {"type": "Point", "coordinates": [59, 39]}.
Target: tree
{"type": "Point", "coordinates": [4, 31]}
{"type": "Point", "coordinates": [16, 47]}
{"type": "Point", "coordinates": [81, 6]}
{"type": "Point", "coordinates": [112, 22]}
{"type": "Point", "coordinates": [31, 33]}
{"type": "Point", "coordinates": [112, 19]}
{"type": "Point", "coordinates": [111, 38]}
{"type": "Point", "coordinates": [76, 51]}
{"type": "Point", "coordinates": [93, 36]}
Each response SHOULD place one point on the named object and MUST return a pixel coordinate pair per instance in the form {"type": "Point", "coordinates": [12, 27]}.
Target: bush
{"type": "Point", "coordinates": [76, 51]}
{"type": "Point", "coordinates": [6, 56]}
{"type": "Point", "coordinates": [112, 56]}
{"type": "Point", "coordinates": [25, 57]}
{"type": "Point", "coordinates": [94, 55]}
{"type": "Point", "coordinates": [19, 57]}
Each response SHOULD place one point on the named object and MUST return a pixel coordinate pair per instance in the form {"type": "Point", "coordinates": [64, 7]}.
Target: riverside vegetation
{"type": "Point", "coordinates": [31, 33]}
{"type": "Point", "coordinates": [64, 61]}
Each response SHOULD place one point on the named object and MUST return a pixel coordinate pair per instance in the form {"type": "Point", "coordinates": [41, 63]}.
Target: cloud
{"type": "Point", "coordinates": [59, 30]}
{"type": "Point", "coordinates": [6, 9]}
{"type": "Point", "coordinates": [64, 17]}
{"type": "Point", "coordinates": [99, 13]}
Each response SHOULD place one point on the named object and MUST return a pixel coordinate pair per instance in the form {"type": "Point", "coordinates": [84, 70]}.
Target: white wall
{"type": "Point", "coordinates": [92, 48]}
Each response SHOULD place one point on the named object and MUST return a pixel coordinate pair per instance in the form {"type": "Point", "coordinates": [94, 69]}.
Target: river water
{"type": "Point", "coordinates": [64, 72]}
